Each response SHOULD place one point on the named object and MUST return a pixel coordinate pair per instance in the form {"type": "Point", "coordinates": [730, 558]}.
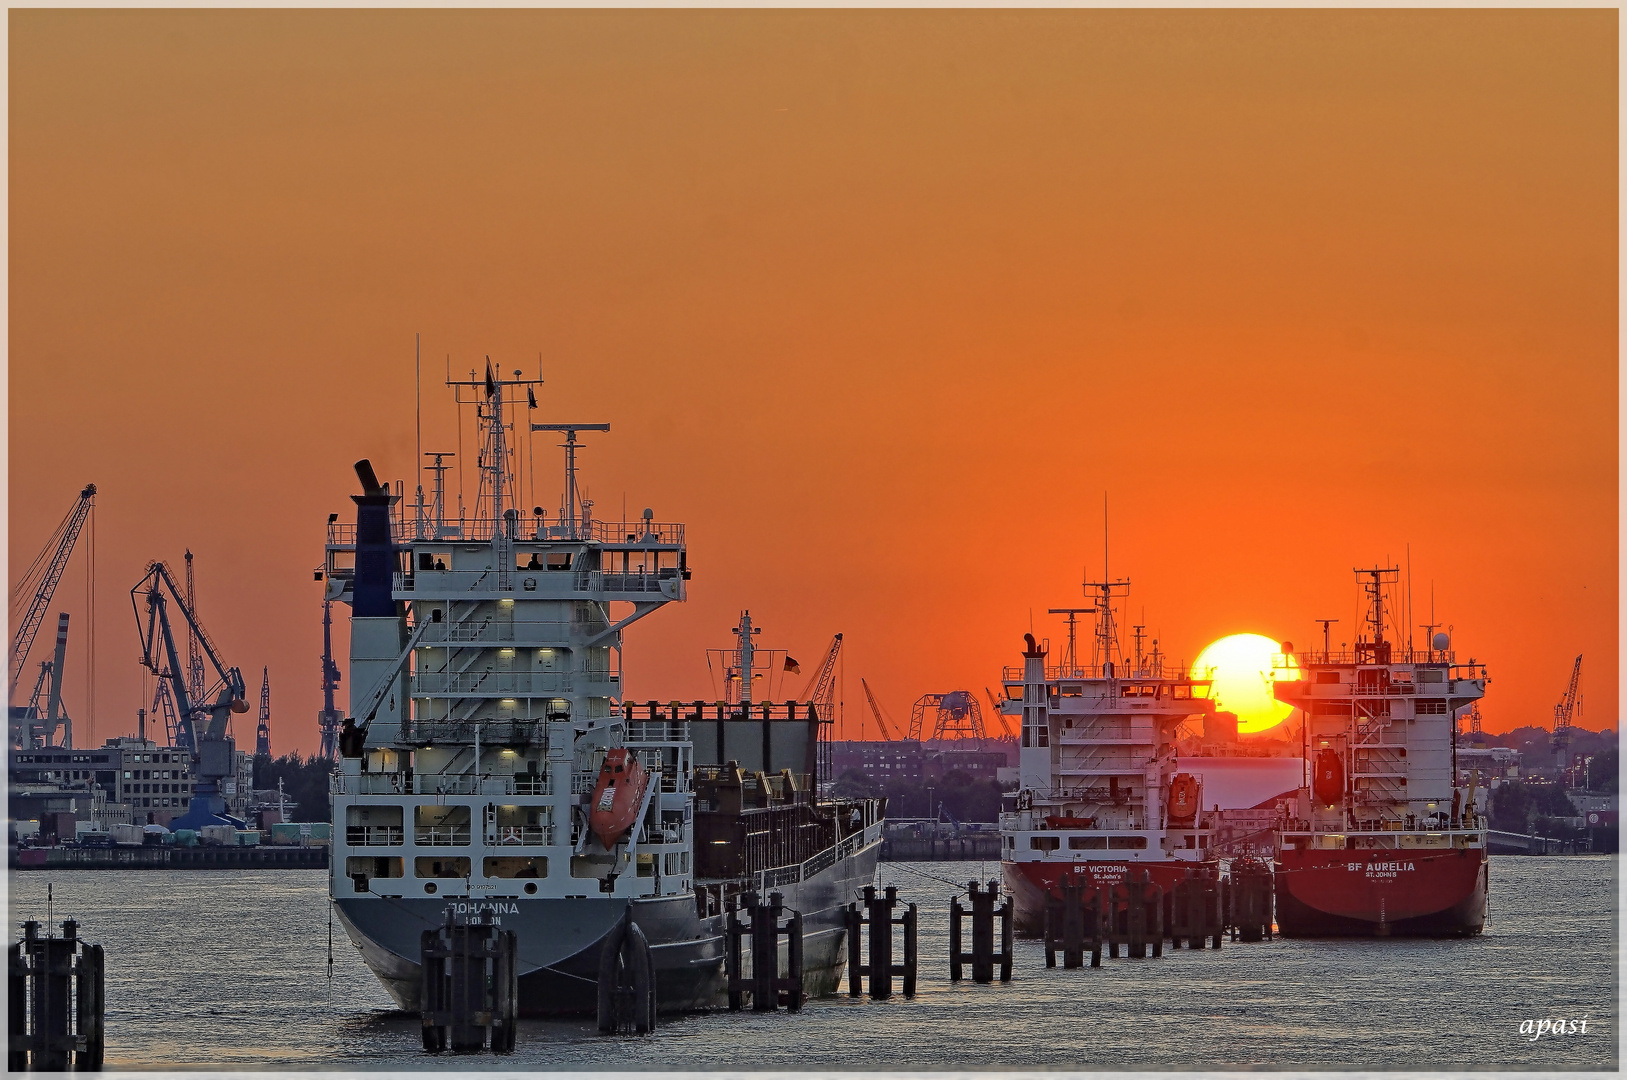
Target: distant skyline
{"type": "Point", "coordinates": [879, 303]}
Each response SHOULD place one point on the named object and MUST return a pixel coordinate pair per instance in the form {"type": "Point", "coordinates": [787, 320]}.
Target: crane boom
{"type": "Point", "coordinates": [1566, 710]}
{"type": "Point", "coordinates": [821, 689]}
{"type": "Point", "coordinates": [64, 538]}
{"type": "Point", "coordinates": [875, 707]}
{"type": "Point", "coordinates": [994, 704]}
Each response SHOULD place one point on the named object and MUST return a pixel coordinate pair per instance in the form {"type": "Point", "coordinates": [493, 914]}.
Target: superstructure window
{"type": "Point", "coordinates": [1086, 843]}
{"type": "Point", "coordinates": [1044, 843]}
{"type": "Point", "coordinates": [514, 866]}
{"type": "Point", "coordinates": [441, 866]}
{"type": "Point", "coordinates": [1127, 843]}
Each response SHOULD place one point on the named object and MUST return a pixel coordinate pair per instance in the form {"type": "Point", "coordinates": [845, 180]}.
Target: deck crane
{"type": "Point", "coordinates": [38, 583]}
{"type": "Point", "coordinates": [212, 748]}
{"type": "Point", "coordinates": [262, 733]}
{"type": "Point", "coordinates": [994, 703]}
{"type": "Point", "coordinates": [1564, 711]}
{"type": "Point", "coordinates": [875, 707]}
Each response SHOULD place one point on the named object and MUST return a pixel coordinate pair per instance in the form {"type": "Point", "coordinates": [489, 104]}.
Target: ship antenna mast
{"type": "Point", "coordinates": [1107, 631]}
{"type": "Point", "coordinates": [573, 499]}
{"type": "Point", "coordinates": [1070, 659]}
{"type": "Point", "coordinates": [1327, 637]}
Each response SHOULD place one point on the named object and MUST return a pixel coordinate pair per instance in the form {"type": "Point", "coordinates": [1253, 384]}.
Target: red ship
{"type": "Point", "coordinates": [1382, 839]}
{"type": "Point", "coordinates": [1101, 794]}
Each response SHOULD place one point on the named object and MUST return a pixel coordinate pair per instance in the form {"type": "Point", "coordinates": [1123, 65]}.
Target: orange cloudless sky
{"type": "Point", "coordinates": [879, 303]}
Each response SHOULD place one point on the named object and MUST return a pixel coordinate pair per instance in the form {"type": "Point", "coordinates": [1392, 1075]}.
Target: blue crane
{"type": "Point", "coordinates": [211, 747]}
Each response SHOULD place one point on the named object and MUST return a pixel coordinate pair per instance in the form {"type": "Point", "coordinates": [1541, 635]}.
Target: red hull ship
{"type": "Point", "coordinates": [1101, 795]}
{"type": "Point", "coordinates": [1383, 839]}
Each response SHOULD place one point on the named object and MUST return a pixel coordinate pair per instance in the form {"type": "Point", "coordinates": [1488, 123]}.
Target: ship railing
{"type": "Point", "coordinates": [528, 835]}
{"type": "Point", "coordinates": [635, 582]}
{"type": "Point", "coordinates": [583, 783]}
{"type": "Point", "coordinates": [368, 784]}
{"type": "Point", "coordinates": [375, 835]}
{"type": "Point", "coordinates": [442, 835]}
{"type": "Point", "coordinates": [1363, 658]}
{"type": "Point", "coordinates": [342, 534]}
{"type": "Point", "coordinates": [512, 683]}
{"type": "Point", "coordinates": [660, 732]}
{"type": "Point", "coordinates": [439, 784]}
{"type": "Point", "coordinates": [494, 732]}
{"type": "Point", "coordinates": [1122, 672]}
{"type": "Point", "coordinates": [496, 632]}
{"type": "Point", "coordinates": [780, 876]}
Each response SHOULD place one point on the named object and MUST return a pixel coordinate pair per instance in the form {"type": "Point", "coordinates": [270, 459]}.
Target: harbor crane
{"type": "Point", "coordinates": [34, 727]}
{"type": "Point", "coordinates": [821, 689]}
{"type": "Point", "coordinates": [262, 733]}
{"type": "Point", "coordinates": [38, 583]}
{"type": "Point", "coordinates": [875, 708]}
{"type": "Point", "coordinates": [1568, 706]}
{"type": "Point", "coordinates": [203, 727]}
{"type": "Point", "coordinates": [994, 703]}
{"type": "Point", "coordinates": [329, 719]}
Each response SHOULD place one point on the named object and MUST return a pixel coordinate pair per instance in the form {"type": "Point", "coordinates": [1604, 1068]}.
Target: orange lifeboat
{"type": "Point", "coordinates": [617, 797]}
{"type": "Point", "coordinates": [1328, 781]}
{"type": "Point", "coordinates": [1183, 798]}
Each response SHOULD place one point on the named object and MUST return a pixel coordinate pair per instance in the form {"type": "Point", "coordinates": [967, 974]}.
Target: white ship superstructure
{"type": "Point", "coordinates": [486, 695]}
{"type": "Point", "coordinates": [1100, 785]}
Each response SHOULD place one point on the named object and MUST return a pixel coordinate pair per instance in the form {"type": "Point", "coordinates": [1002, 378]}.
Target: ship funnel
{"type": "Point", "coordinates": [369, 479]}
{"type": "Point", "coordinates": [1033, 649]}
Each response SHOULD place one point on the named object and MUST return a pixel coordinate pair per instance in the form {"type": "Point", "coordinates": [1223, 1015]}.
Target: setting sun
{"type": "Point", "coordinates": [1241, 668]}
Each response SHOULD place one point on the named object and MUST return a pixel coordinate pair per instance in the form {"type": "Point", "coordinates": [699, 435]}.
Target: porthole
{"type": "Point", "coordinates": [429, 886]}
{"type": "Point", "coordinates": [531, 888]}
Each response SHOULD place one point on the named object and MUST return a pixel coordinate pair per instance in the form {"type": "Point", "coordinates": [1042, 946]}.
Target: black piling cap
{"type": "Point", "coordinates": [369, 479]}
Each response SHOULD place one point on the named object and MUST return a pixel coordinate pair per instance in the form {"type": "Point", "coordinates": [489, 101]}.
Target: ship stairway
{"type": "Point", "coordinates": [1369, 726]}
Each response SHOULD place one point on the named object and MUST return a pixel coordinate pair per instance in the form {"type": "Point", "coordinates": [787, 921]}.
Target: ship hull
{"type": "Point", "coordinates": [1388, 893]}
{"type": "Point", "coordinates": [1031, 884]}
{"type": "Point", "coordinates": [559, 940]}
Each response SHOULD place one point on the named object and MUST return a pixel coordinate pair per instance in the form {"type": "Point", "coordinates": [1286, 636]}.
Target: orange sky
{"type": "Point", "coordinates": [878, 303]}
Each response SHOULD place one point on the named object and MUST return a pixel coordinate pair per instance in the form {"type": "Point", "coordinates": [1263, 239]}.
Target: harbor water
{"type": "Point", "coordinates": [228, 969]}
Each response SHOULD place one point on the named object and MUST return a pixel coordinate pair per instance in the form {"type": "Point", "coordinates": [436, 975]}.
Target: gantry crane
{"type": "Point", "coordinates": [1564, 711]}
{"type": "Point", "coordinates": [213, 752]}
{"type": "Point", "coordinates": [262, 733]}
{"type": "Point", "coordinates": [875, 708]}
{"type": "Point", "coordinates": [38, 583]}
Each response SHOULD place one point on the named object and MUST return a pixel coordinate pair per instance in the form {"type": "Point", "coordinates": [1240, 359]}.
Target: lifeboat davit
{"type": "Point", "coordinates": [1328, 781]}
{"type": "Point", "coordinates": [1183, 797]}
{"type": "Point", "coordinates": [617, 797]}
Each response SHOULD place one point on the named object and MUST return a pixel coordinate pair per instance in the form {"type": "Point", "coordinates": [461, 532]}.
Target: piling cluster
{"type": "Point", "coordinates": [877, 916]}
{"type": "Point", "coordinates": [56, 1002]}
{"type": "Point", "coordinates": [470, 989]}
{"type": "Point", "coordinates": [763, 924]}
